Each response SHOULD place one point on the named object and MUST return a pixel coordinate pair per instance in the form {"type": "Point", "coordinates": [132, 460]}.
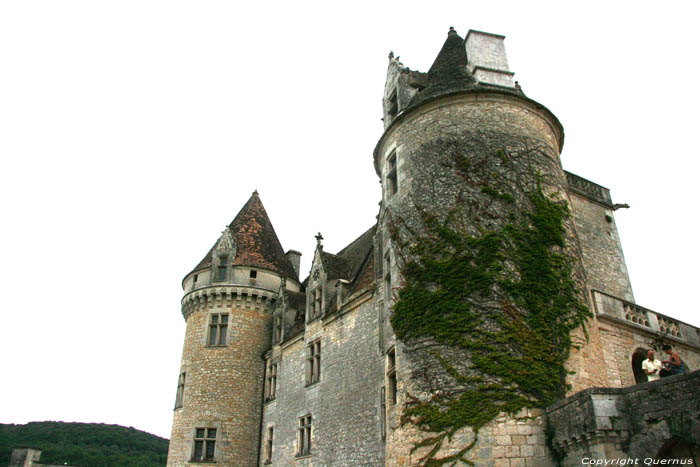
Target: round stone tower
{"type": "Point", "coordinates": [462, 147]}
{"type": "Point", "coordinates": [227, 303]}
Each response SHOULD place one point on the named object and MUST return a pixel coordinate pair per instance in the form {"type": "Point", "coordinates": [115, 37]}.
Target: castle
{"type": "Point", "coordinates": [470, 324]}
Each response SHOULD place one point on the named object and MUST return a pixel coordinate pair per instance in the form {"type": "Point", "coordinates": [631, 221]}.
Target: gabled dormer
{"type": "Point", "coordinates": [223, 256]}
{"type": "Point", "coordinates": [400, 87]}
{"type": "Point", "coordinates": [315, 296]}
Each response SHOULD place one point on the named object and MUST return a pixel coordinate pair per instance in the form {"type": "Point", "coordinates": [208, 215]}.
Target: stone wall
{"type": "Point", "coordinates": [619, 423]}
{"type": "Point", "coordinates": [600, 243]}
{"type": "Point", "coordinates": [345, 404]}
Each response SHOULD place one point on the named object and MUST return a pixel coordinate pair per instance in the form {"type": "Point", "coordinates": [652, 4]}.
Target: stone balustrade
{"type": "Point", "coordinates": [622, 311]}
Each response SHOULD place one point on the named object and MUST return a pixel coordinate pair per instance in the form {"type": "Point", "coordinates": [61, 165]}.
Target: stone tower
{"type": "Point", "coordinates": [227, 303]}
{"type": "Point", "coordinates": [465, 147]}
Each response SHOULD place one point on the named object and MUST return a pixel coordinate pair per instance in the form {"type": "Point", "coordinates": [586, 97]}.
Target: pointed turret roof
{"type": "Point", "coordinates": [255, 240]}
{"type": "Point", "coordinates": [449, 70]}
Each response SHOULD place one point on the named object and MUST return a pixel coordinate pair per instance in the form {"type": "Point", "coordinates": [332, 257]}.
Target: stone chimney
{"type": "Point", "coordinates": [486, 58]}
{"type": "Point", "coordinates": [294, 257]}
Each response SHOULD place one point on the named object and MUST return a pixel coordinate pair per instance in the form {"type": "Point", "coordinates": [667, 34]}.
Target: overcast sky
{"type": "Point", "coordinates": [132, 132]}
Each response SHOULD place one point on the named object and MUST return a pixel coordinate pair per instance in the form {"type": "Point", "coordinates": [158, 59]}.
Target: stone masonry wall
{"type": "Point", "coordinates": [344, 404]}
{"type": "Point", "coordinates": [601, 248]}
{"type": "Point", "coordinates": [223, 384]}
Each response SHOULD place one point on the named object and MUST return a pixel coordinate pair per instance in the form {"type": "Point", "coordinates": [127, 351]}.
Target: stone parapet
{"type": "Point", "coordinates": [589, 189]}
{"type": "Point", "coordinates": [235, 296]}
{"type": "Point", "coordinates": [630, 314]}
{"type": "Point", "coordinates": [636, 422]}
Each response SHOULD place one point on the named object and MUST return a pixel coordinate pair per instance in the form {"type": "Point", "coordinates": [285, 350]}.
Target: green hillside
{"type": "Point", "coordinates": [84, 444]}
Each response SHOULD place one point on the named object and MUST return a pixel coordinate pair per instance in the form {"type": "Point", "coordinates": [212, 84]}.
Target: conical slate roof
{"type": "Point", "coordinates": [256, 242]}
{"type": "Point", "coordinates": [449, 70]}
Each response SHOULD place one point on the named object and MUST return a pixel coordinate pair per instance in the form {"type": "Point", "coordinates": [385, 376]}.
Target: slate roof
{"type": "Point", "coordinates": [256, 241]}
{"type": "Point", "coordinates": [297, 300]}
{"type": "Point", "coordinates": [449, 70]}
{"type": "Point", "coordinates": [335, 266]}
{"type": "Point", "coordinates": [356, 252]}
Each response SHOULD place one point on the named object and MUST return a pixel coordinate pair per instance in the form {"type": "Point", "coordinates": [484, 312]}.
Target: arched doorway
{"type": "Point", "coordinates": [638, 357]}
{"type": "Point", "coordinates": [676, 448]}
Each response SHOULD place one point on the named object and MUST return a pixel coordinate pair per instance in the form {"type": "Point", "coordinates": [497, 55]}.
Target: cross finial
{"type": "Point", "coordinates": [318, 238]}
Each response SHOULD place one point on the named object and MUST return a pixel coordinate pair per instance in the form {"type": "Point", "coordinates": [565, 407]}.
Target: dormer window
{"type": "Point", "coordinates": [222, 270]}
{"type": "Point", "coordinates": [393, 105]}
{"type": "Point", "coordinates": [392, 180]}
{"type": "Point", "coordinates": [315, 310]}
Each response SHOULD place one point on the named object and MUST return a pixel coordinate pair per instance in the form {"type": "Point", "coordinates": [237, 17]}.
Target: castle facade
{"type": "Point", "coordinates": [421, 342]}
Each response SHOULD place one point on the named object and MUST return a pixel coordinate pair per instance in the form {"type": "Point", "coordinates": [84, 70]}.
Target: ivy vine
{"type": "Point", "coordinates": [500, 292]}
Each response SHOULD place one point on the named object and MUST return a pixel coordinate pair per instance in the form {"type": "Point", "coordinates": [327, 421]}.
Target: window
{"type": "Point", "coordinates": [217, 329]}
{"type": "Point", "coordinates": [392, 181]}
{"type": "Point", "coordinates": [278, 329]}
{"type": "Point", "coordinates": [313, 363]}
{"type": "Point", "coordinates": [204, 444]}
{"type": "Point", "coordinates": [268, 445]}
{"type": "Point", "coordinates": [391, 374]}
{"type": "Point", "coordinates": [222, 270]}
{"type": "Point", "coordinates": [253, 277]}
{"type": "Point", "coordinates": [316, 303]}
{"type": "Point", "coordinates": [270, 380]}
{"type": "Point", "coordinates": [393, 105]}
{"type": "Point", "coordinates": [387, 277]}
{"type": "Point", "coordinates": [180, 390]}
{"type": "Point", "coordinates": [304, 436]}
{"type": "Point", "coordinates": [382, 398]}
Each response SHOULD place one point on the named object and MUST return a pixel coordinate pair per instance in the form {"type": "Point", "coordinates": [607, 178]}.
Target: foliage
{"type": "Point", "coordinates": [84, 444]}
{"type": "Point", "coordinates": [500, 294]}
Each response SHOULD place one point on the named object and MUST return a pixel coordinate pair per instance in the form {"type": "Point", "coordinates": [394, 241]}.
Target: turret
{"type": "Point", "coordinates": [227, 305]}
{"type": "Point", "coordinates": [464, 160]}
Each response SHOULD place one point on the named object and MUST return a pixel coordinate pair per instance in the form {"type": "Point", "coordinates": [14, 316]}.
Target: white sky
{"type": "Point", "coordinates": [132, 132]}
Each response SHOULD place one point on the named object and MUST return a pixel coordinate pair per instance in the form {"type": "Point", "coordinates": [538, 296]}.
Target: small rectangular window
{"type": "Point", "coordinates": [270, 380]}
{"type": "Point", "coordinates": [391, 374]}
{"type": "Point", "coordinates": [222, 269]}
{"type": "Point", "coordinates": [392, 180]}
{"type": "Point", "coordinates": [313, 363]}
{"type": "Point", "coordinates": [180, 390]}
{"type": "Point", "coordinates": [316, 297]}
{"type": "Point", "coordinates": [268, 448]}
{"type": "Point", "coordinates": [278, 330]}
{"type": "Point", "coordinates": [382, 398]}
{"type": "Point", "coordinates": [218, 329]}
{"type": "Point", "coordinates": [387, 278]}
{"type": "Point", "coordinates": [393, 105]}
{"type": "Point", "coordinates": [304, 436]}
{"type": "Point", "coordinates": [204, 444]}
{"type": "Point", "coordinates": [253, 274]}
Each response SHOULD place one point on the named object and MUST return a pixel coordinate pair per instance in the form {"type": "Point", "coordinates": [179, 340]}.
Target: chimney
{"type": "Point", "coordinates": [486, 58]}
{"type": "Point", "coordinates": [294, 257]}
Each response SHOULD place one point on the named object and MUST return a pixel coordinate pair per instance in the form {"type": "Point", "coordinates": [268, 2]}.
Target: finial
{"type": "Point", "coordinates": [318, 238]}
{"type": "Point", "coordinates": [255, 192]}
{"type": "Point", "coordinates": [517, 87]}
{"type": "Point", "coordinates": [391, 54]}
{"type": "Point", "coordinates": [451, 31]}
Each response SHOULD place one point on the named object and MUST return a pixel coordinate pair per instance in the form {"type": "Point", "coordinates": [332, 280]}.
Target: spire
{"type": "Point", "coordinates": [449, 70]}
{"type": "Point", "coordinates": [255, 240]}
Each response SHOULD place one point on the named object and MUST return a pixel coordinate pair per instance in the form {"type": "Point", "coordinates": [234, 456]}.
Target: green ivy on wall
{"type": "Point", "coordinates": [505, 297]}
